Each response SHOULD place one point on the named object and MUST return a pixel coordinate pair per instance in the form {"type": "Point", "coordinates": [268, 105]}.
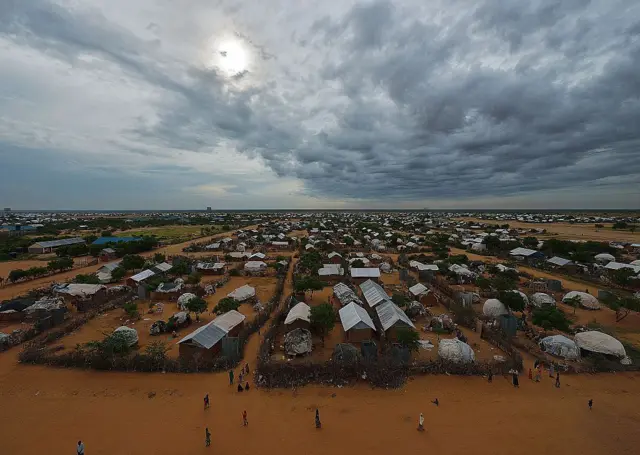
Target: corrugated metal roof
{"type": "Point", "coordinates": [229, 320]}
{"type": "Point", "coordinates": [373, 293]}
{"type": "Point", "coordinates": [300, 311]}
{"type": "Point", "coordinates": [418, 289]}
{"type": "Point", "coordinates": [620, 265]}
{"type": "Point", "coordinates": [331, 269]}
{"type": "Point", "coordinates": [345, 294]}
{"type": "Point", "coordinates": [163, 267]}
{"type": "Point", "coordinates": [365, 272]}
{"type": "Point", "coordinates": [390, 314]}
{"type": "Point", "coordinates": [557, 260]}
{"type": "Point", "coordinates": [354, 316]}
{"type": "Point", "coordinates": [206, 336]}
{"type": "Point", "coordinates": [138, 277]}
{"type": "Point", "coordinates": [522, 252]}
{"type": "Point", "coordinates": [78, 289]}
{"type": "Point", "coordinates": [242, 293]}
{"type": "Point", "coordinates": [57, 243]}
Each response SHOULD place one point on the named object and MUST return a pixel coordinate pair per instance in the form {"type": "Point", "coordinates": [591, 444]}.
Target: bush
{"type": "Point", "coordinates": [226, 304]}
{"type": "Point", "coordinates": [106, 234]}
{"type": "Point", "coordinates": [400, 300]}
{"type": "Point", "coordinates": [197, 305]}
{"type": "Point", "coordinates": [194, 278]}
{"type": "Point", "coordinates": [132, 262]}
{"type": "Point", "coordinates": [409, 338]}
{"type": "Point", "coordinates": [234, 272]}
{"type": "Point", "coordinates": [483, 283]}
{"type": "Point", "coordinates": [118, 273]}
{"type": "Point", "coordinates": [131, 308]}
{"type": "Point", "coordinates": [87, 279]}
{"type": "Point", "coordinates": [550, 317]}
{"type": "Point", "coordinates": [60, 264]}
{"type": "Point", "coordinates": [512, 300]}
{"type": "Point", "coordinates": [323, 318]}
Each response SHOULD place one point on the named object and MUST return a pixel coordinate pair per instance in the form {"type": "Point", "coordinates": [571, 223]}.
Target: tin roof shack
{"type": "Point", "coordinates": [211, 268]}
{"type": "Point", "coordinates": [137, 281]}
{"type": "Point", "coordinates": [335, 257]}
{"type": "Point", "coordinates": [243, 293]}
{"type": "Point", "coordinates": [393, 318]}
{"type": "Point", "coordinates": [360, 275]}
{"type": "Point", "coordinates": [526, 255]}
{"type": "Point", "coordinates": [205, 343]}
{"type": "Point", "coordinates": [331, 273]}
{"type": "Point", "coordinates": [52, 245]}
{"type": "Point", "coordinates": [373, 293]}
{"type": "Point", "coordinates": [83, 296]}
{"type": "Point", "coordinates": [357, 325]}
{"type": "Point", "coordinates": [168, 291]}
{"type": "Point", "coordinates": [345, 295]}
{"type": "Point", "coordinates": [13, 310]}
{"type": "Point", "coordinates": [423, 295]}
{"type": "Point", "coordinates": [299, 317]}
{"type": "Point", "coordinates": [255, 267]}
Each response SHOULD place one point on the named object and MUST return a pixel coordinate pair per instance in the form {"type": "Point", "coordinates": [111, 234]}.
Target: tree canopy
{"type": "Point", "coordinates": [323, 319]}
{"type": "Point", "coordinates": [225, 305]}
{"type": "Point", "coordinates": [408, 338]}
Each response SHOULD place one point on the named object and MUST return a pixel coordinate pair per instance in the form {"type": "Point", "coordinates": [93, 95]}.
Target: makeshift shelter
{"type": "Point", "coordinates": [356, 323]}
{"type": "Point", "coordinates": [604, 258]}
{"type": "Point", "coordinates": [360, 275]}
{"type": "Point", "coordinates": [345, 353]}
{"type": "Point", "coordinates": [231, 322]}
{"type": "Point", "coordinates": [255, 266]}
{"type": "Point", "coordinates": [586, 300]}
{"type": "Point", "coordinates": [184, 299]}
{"type": "Point", "coordinates": [345, 294]}
{"type": "Point", "coordinates": [393, 318]}
{"type": "Point", "coordinates": [299, 317]}
{"type": "Point", "coordinates": [373, 293]}
{"type": "Point", "coordinates": [128, 333]}
{"type": "Point", "coordinates": [211, 268]}
{"type": "Point", "coordinates": [560, 346]}
{"type": "Point", "coordinates": [455, 351]}
{"type": "Point", "coordinates": [494, 308]}
{"type": "Point", "coordinates": [204, 342]}
{"type": "Point", "coordinates": [243, 293]}
{"type": "Point", "coordinates": [298, 342]}
{"type": "Point", "coordinates": [540, 299]}
{"type": "Point", "coordinates": [601, 343]}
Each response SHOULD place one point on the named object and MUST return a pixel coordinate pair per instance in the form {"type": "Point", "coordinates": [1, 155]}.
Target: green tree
{"type": "Point", "coordinates": [483, 283]}
{"type": "Point", "coordinates": [132, 262]}
{"type": "Point", "coordinates": [492, 242]}
{"type": "Point", "coordinates": [323, 319]}
{"type": "Point", "coordinates": [180, 268]}
{"type": "Point", "coordinates": [106, 234]}
{"type": "Point", "coordinates": [512, 300]}
{"type": "Point", "coordinates": [86, 279]}
{"type": "Point", "coordinates": [194, 278]}
{"type": "Point", "coordinates": [550, 317]}
{"type": "Point", "coordinates": [408, 338]}
{"type": "Point", "coordinates": [197, 306]}
{"type": "Point", "coordinates": [157, 352]}
{"type": "Point", "coordinates": [530, 242]}
{"type": "Point", "coordinates": [225, 305]}
{"type": "Point", "coordinates": [308, 283]}
{"type": "Point", "coordinates": [158, 258]}
{"type": "Point", "coordinates": [620, 225]}
{"type": "Point", "coordinates": [400, 300]}
{"type": "Point", "coordinates": [358, 263]}
{"type": "Point", "coordinates": [60, 264]}
{"type": "Point", "coordinates": [118, 273]}
{"type": "Point", "coordinates": [623, 276]}
{"type": "Point", "coordinates": [16, 275]}
{"type": "Point", "coordinates": [348, 241]}
{"type": "Point", "coordinates": [131, 308]}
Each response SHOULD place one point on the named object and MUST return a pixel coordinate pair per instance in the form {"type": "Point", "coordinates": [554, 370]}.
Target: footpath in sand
{"type": "Point", "coordinates": [47, 410]}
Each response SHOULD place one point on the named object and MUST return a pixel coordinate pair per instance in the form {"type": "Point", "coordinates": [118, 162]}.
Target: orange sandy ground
{"type": "Point", "coordinates": [47, 410]}
{"type": "Point", "coordinates": [567, 231]}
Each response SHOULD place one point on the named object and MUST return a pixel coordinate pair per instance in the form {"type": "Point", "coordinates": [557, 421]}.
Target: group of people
{"type": "Point", "coordinates": [243, 371]}
{"type": "Point", "coordinates": [537, 366]}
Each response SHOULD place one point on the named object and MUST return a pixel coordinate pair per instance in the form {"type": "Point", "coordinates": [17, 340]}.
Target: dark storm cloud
{"type": "Point", "coordinates": [459, 99]}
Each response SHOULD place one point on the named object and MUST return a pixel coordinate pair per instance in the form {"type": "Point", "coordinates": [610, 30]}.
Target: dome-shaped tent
{"type": "Point", "coordinates": [455, 351]}
{"type": "Point", "coordinates": [586, 300]}
{"type": "Point", "coordinates": [184, 298]}
{"type": "Point", "coordinates": [560, 346]}
{"type": "Point", "coordinates": [494, 308]}
{"type": "Point", "coordinates": [636, 262]}
{"type": "Point", "coordinates": [540, 299]}
{"type": "Point", "coordinates": [129, 334]}
{"type": "Point", "coordinates": [604, 258]}
{"type": "Point", "coordinates": [599, 342]}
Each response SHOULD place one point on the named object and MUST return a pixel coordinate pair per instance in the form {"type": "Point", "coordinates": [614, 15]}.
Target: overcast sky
{"type": "Point", "coordinates": [176, 104]}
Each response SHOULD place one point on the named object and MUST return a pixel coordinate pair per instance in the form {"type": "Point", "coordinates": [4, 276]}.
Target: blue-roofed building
{"type": "Point", "coordinates": [105, 240]}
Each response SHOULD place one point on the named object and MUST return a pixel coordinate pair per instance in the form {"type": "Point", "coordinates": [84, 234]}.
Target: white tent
{"type": "Point", "coordinates": [128, 333]}
{"type": "Point", "coordinates": [494, 308]}
{"type": "Point", "coordinates": [603, 258]}
{"type": "Point", "coordinates": [600, 342]}
{"type": "Point", "coordinates": [560, 346]}
{"type": "Point", "coordinates": [540, 299]}
{"type": "Point", "coordinates": [243, 293]}
{"type": "Point", "coordinates": [586, 300]}
{"type": "Point", "coordinates": [300, 311]}
{"type": "Point", "coordinates": [455, 351]}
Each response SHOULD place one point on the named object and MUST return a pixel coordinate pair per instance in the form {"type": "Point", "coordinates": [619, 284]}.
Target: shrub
{"type": "Point", "coordinates": [87, 279]}
{"type": "Point", "coordinates": [194, 278]}
{"type": "Point", "coordinates": [118, 273]}
{"type": "Point", "coordinates": [197, 305]}
{"type": "Point", "coordinates": [512, 300]}
{"type": "Point", "coordinates": [400, 300]}
{"type": "Point", "coordinates": [550, 317]}
{"type": "Point", "coordinates": [131, 308]}
{"type": "Point", "coordinates": [323, 318]}
{"type": "Point", "coordinates": [408, 338]}
{"type": "Point", "coordinates": [226, 304]}
{"type": "Point", "coordinates": [234, 272]}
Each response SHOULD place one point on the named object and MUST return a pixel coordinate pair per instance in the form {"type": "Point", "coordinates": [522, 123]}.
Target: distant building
{"type": "Point", "coordinates": [7, 209]}
{"type": "Point", "coordinates": [105, 240]}
{"type": "Point", "coordinates": [51, 245]}
{"type": "Point", "coordinates": [208, 209]}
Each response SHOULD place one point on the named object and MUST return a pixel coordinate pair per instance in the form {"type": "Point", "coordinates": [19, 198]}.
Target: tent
{"type": "Point", "coordinates": [300, 311]}
{"type": "Point", "coordinates": [604, 258]}
{"type": "Point", "coordinates": [243, 293]}
{"type": "Point", "coordinates": [599, 342]}
{"type": "Point", "coordinates": [455, 351]}
{"type": "Point", "coordinates": [298, 342]}
{"type": "Point", "coordinates": [128, 333]}
{"type": "Point", "coordinates": [560, 346]}
{"type": "Point", "coordinates": [494, 308]}
{"type": "Point", "coordinates": [586, 300]}
{"type": "Point", "coordinates": [540, 299]}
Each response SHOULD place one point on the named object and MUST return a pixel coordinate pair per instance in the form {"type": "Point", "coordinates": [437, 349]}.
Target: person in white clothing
{"type": "Point", "coordinates": [421, 423]}
{"type": "Point", "coordinates": [80, 448]}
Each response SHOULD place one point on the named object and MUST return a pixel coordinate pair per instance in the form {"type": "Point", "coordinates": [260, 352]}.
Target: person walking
{"type": "Point", "coordinates": [421, 422]}
{"type": "Point", "coordinates": [514, 379]}
{"type": "Point", "coordinates": [490, 376]}
{"type": "Point", "coordinates": [530, 375]}
{"type": "Point", "coordinates": [590, 404]}
{"type": "Point", "coordinates": [538, 373]}
{"type": "Point", "coordinates": [207, 437]}
{"type": "Point", "coordinates": [557, 380]}
{"type": "Point", "coordinates": [230, 377]}
{"type": "Point", "coordinates": [206, 401]}
{"type": "Point", "coordinates": [246, 386]}
{"type": "Point", "coordinates": [551, 371]}
{"type": "Point", "coordinates": [436, 402]}
{"type": "Point", "coordinates": [80, 448]}
{"type": "Point", "coordinates": [318, 424]}
{"type": "Point", "coordinates": [245, 422]}
{"type": "Point", "coordinates": [241, 376]}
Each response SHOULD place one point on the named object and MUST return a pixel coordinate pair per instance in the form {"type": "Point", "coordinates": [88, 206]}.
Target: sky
{"type": "Point", "coordinates": [176, 104]}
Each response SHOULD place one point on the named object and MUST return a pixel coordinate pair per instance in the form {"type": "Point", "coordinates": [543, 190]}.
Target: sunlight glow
{"type": "Point", "coordinates": [232, 57]}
